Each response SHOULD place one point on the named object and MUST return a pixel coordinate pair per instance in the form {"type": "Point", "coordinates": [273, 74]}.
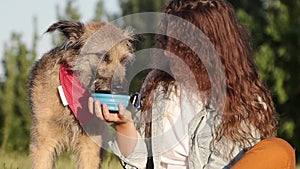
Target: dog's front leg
{"type": "Point", "coordinates": [43, 155]}
{"type": "Point", "coordinates": [88, 153]}
{"type": "Point", "coordinates": [46, 144]}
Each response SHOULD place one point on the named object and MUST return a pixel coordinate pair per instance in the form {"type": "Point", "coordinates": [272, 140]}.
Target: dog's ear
{"type": "Point", "coordinates": [71, 29]}
{"type": "Point", "coordinates": [137, 38]}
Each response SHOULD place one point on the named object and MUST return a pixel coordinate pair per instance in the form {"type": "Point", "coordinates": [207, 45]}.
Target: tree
{"type": "Point", "coordinates": [99, 12]}
{"type": "Point", "coordinates": [136, 6]}
{"type": "Point", "coordinates": [133, 7]}
{"type": "Point", "coordinates": [13, 101]}
{"type": "Point", "coordinates": [280, 66]}
{"type": "Point", "coordinates": [275, 28]}
{"type": "Point", "coordinates": [71, 12]}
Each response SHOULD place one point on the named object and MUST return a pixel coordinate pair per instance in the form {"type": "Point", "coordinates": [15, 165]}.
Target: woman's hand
{"type": "Point", "coordinates": [121, 118]}
{"type": "Point", "coordinates": [126, 131]}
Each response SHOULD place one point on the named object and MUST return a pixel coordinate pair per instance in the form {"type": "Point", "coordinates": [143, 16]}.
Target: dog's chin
{"type": "Point", "coordinates": [96, 88]}
{"type": "Point", "coordinates": [103, 91]}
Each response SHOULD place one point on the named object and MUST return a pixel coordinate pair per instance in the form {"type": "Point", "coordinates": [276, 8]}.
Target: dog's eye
{"type": "Point", "coordinates": [123, 59]}
{"type": "Point", "coordinates": [107, 58]}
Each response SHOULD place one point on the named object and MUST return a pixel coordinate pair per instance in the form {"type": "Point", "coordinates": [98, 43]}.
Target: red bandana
{"type": "Point", "coordinates": [74, 94]}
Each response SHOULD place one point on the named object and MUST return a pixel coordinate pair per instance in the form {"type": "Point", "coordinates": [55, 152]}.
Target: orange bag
{"type": "Point", "coordinates": [271, 153]}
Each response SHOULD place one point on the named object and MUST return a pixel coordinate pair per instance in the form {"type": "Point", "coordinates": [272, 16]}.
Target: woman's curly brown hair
{"type": "Point", "coordinates": [247, 98]}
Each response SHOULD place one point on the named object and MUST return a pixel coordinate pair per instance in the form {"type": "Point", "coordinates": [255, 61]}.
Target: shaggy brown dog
{"type": "Point", "coordinates": [54, 126]}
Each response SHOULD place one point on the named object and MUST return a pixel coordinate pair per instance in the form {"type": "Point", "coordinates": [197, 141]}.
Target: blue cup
{"type": "Point", "coordinates": [112, 100]}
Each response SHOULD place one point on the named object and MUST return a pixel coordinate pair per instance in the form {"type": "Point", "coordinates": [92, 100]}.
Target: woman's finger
{"type": "Point", "coordinates": [97, 108]}
{"type": "Point", "coordinates": [107, 116]}
{"type": "Point", "coordinates": [121, 110]}
{"type": "Point", "coordinates": [124, 115]}
{"type": "Point", "coordinates": [91, 105]}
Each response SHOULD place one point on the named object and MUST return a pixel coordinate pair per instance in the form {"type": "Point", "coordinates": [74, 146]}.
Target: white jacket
{"type": "Point", "coordinates": [201, 129]}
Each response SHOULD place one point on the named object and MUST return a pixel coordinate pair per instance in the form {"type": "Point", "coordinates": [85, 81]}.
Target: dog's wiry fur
{"type": "Point", "coordinates": [54, 127]}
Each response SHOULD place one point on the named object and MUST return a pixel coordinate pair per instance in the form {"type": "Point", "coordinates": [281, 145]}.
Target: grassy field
{"type": "Point", "coordinates": [23, 161]}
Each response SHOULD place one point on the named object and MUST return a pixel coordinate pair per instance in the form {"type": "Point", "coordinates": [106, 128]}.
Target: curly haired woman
{"type": "Point", "coordinates": [191, 126]}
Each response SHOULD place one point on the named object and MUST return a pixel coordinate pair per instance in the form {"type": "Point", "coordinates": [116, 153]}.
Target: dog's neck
{"type": "Point", "coordinates": [74, 95]}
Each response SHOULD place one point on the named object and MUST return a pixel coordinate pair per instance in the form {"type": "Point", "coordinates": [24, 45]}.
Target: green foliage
{"type": "Point", "coordinates": [14, 108]}
{"type": "Point", "coordinates": [2, 114]}
{"type": "Point", "coordinates": [100, 11]}
{"type": "Point", "coordinates": [275, 27]}
{"type": "Point", "coordinates": [279, 60]}
{"type": "Point", "coordinates": [136, 6]}
{"type": "Point", "coordinates": [110, 161]}
{"type": "Point", "coordinates": [71, 12]}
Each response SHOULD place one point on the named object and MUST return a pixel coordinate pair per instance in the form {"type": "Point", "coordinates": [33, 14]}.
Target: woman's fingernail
{"type": "Point", "coordinates": [121, 107]}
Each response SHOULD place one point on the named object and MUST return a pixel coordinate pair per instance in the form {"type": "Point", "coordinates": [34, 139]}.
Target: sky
{"type": "Point", "coordinates": [17, 16]}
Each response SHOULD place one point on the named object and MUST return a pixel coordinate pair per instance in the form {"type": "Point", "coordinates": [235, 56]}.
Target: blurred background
{"type": "Point", "coordinates": [275, 26]}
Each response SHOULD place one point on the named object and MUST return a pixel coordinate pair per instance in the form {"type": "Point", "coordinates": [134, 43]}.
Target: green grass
{"type": "Point", "coordinates": [13, 160]}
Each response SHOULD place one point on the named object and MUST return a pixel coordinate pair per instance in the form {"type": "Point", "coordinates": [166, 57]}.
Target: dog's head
{"type": "Point", "coordinates": [96, 52]}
